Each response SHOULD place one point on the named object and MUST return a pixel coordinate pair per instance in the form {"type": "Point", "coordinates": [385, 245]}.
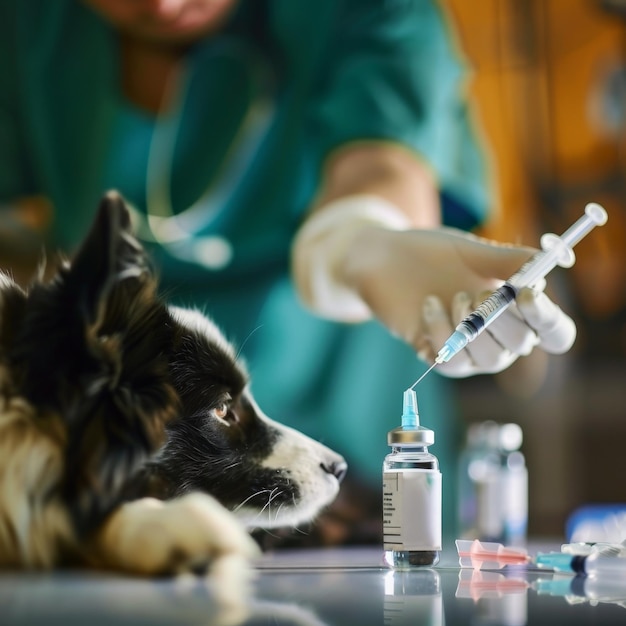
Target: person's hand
{"type": "Point", "coordinates": [421, 283]}
{"type": "Point", "coordinates": [532, 320]}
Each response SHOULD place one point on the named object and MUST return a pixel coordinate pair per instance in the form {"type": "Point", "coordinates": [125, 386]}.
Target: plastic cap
{"type": "Point", "coordinates": [410, 416]}
{"type": "Point", "coordinates": [410, 433]}
{"type": "Point", "coordinates": [555, 560]}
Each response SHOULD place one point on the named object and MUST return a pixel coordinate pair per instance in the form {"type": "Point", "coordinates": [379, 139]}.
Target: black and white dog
{"type": "Point", "coordinates": [128, 437]}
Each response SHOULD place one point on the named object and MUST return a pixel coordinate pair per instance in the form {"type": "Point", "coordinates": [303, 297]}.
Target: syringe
{"type": "Point", "coordinates": [555, 251]}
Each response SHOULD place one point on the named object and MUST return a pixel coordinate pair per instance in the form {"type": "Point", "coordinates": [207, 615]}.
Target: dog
{"type": "Point", "coordinates": [129, 439]}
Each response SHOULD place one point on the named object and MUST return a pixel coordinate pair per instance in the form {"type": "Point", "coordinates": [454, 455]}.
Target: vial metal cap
{"type": "Point", "coordinates": [419, 436]}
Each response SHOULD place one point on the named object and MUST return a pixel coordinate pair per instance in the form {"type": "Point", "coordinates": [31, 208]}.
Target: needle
{"type": "Point", "coordinates": [423, 375]}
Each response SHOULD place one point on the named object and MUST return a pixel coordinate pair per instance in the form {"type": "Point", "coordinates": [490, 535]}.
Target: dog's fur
{"type": "Point", "coordinates": [119, 416]}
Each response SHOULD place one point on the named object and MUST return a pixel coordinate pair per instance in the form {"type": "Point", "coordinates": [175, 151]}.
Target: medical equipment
{"type": "Point", "coordinates": [555, 251]}
{"type": "Point", "coordinates": [492, 494]}
{"type": "Point", "coordinates": [582, 548]}
{"type": "Point", "coordinates": [489, 555]}
{"type": "Point", "coordinates": [597, 563]}
{"type": "Point", "coordinates": [411, 494]}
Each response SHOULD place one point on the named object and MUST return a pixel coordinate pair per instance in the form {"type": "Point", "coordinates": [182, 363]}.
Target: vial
{"type": "Point", "coordinates": [411, 494]}
{"type": "Point", "coordinates": [479, 484]}
{"type": "Point", "coordinates": [493, 485]}
{"type": "Point", "coordinates": [513, 486]}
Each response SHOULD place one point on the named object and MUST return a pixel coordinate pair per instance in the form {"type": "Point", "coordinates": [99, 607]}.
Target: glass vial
{"type": "Point", "coordinates": [478, 484]}
{"type": "Point", "coordinates": [493, 485]}
{"type": "Point", "coordinates": [411, 499]}
{"type": "Point", "coordinates": [513, 486]}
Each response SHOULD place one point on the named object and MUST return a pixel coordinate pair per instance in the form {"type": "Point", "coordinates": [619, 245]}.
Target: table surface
{"type": "Point", "coordinates": [324, 587]}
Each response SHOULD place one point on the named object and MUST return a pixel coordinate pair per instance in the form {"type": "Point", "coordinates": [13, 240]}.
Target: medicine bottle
{"type": "Point", "coordinates": [411, 494]}
{"type": "Point", "coordinates": [513, 486]}
{"type": "Point", "coordinates": [479, 483]}
{"type": "Point", "coordinates": [493, 485]}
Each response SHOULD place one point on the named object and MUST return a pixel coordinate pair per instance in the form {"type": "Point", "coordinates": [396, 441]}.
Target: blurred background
{"type": "Point", "coordinates": [549, 86]}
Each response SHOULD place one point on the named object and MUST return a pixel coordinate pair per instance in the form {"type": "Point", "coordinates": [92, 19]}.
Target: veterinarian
{"type": "Point", "coordinates": [290, 164]}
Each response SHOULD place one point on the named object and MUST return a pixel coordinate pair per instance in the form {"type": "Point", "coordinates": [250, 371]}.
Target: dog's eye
{"type": "Point", "coordinates": [221, 411]}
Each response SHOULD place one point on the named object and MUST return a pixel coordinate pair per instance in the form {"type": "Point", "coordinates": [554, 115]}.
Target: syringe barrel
{"type": "Point", "coordinates": [470, 327]}
{"type": "Point", "coordinates": [538, 266]}
{"type": "Point", "coordinates": [489, 309]}
{"type": "Point", "coordinates": [606, 565]}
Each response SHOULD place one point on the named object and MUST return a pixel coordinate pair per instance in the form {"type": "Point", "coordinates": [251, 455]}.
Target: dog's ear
{"type": "Point", "coordinates": [68, 319]}
{"type": "Point", "coordinates": [119, 413]}
{"type": "Point", "coordinates": [92, 350]}
{"type": "Point", "coordinates": [109, 256]}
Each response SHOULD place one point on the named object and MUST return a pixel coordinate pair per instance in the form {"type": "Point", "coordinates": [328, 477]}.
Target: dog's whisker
{"type": "Point", "coordinates": [269, 509]}
{"type": "Point", "coordinates": [280, 506]}
{"type": "Point", "coordinates": [243, 343]}
{"type": "Point", "coordinates": [272, 495]}
{"type": "Point", "coordinates": [268, 505]}
{"type": "Point", "coordinates": [269, 501]}
{"type": "Point", "coordinates": [254, 495]}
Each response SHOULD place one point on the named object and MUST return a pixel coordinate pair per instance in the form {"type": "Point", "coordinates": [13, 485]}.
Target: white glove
{"type": "Point", "coordinates": [533, 319]}
{"type": "Point", "coordinates": [357, 258]}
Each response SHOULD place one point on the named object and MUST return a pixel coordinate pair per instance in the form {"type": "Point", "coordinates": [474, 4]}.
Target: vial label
{"type": "Point", "coordinates": [411, 509]}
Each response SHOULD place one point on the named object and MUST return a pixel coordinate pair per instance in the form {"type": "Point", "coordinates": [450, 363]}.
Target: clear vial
{"type": "Point", "coordinates": [513, 486]}
{"type": "Point", "coordinates": [493, 485]}
{"type": "Point", "coordinates": [411, 499]}
{"type": "Point", "coordinates": [479, 492]}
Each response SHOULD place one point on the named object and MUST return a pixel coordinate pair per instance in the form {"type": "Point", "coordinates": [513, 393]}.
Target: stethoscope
{"type": "Point", "coordinates": [176, 233]}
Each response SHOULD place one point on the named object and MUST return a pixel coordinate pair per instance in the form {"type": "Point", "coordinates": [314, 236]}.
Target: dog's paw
{"type": "Point", "coordinates": [189, 534]}
{"type": "Point", "coordinates": [193, 534]}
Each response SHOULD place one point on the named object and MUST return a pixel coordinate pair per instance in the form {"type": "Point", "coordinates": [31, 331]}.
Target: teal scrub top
{"type": "Point", "coordinates": [259, 107]}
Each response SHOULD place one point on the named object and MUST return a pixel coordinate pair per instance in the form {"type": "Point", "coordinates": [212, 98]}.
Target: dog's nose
{"type": "Point", "coordinates": [337, 468]}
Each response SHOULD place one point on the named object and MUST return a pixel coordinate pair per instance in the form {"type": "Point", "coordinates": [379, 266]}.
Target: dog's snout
{"type": "Point", "coordinates": [337, 468]}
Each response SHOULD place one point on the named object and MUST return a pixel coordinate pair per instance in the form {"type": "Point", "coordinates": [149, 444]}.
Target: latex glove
{"type": "Point", "coordinates": [532, 320]}
{"type": "Point", "coordinates": [358, 258]}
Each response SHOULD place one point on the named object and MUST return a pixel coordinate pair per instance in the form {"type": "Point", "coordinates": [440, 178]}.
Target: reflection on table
{"type": "Point", "coordinates": [335, 587]}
